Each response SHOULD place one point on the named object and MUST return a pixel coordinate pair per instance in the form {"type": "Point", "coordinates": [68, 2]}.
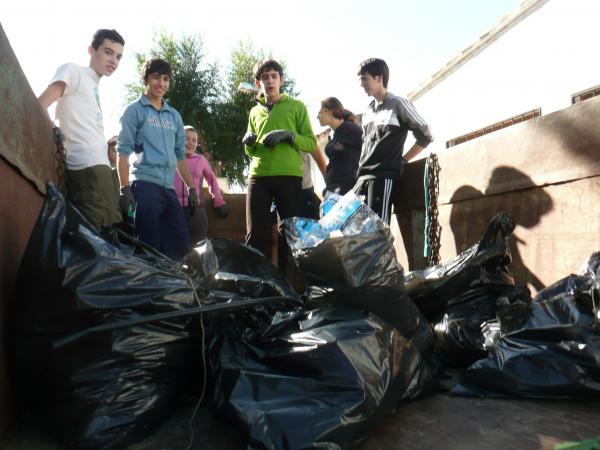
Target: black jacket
{"type": "Point", "coordinates": [385, 127]}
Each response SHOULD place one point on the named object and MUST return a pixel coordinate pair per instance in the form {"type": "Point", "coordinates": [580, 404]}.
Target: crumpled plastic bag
{"type": "Point", "coordinates": [459, 337]}
{"type": "Point", "coordinates": [314, 379]}
{"type": "Point", "coordinates": [317, 376]}
{"type": "Point", "coordinates": [112, 388]}
{"type": "Point", "coordinates": [354, 270]}
{"type": "Point", "coordinates": [552, 352]}
{"type": "Point", "coordinates": [483, 264]}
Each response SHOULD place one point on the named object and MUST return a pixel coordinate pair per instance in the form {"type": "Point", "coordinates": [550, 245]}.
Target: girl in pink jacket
{"type": "Point", "coordinates": [199, 170]}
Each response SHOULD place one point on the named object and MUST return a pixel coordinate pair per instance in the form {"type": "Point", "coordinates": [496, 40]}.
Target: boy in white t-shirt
{"type": "Point", "coordinates": [90, 184]}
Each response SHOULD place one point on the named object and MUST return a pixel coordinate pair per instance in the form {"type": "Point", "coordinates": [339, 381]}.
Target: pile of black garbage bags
{"type": "Point", "coordinates": [509, 344]}
{"type": "Point", "coordinates": [106, 333]}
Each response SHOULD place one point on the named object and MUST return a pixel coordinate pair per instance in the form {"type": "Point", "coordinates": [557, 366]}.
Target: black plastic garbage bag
{"type": "Point", "coordinates": [359, 271]}
{"type": "Point", "coordinates": [112, 388]}
{"type": "Point", "coordinates": [315, 379]}
{"type": "Point", "coordinates": [555, 350]}
{"type": "Point", "coordinates": [349, 261]}
{"type": "Point", "coordinates": [303, 379]}
{"type": "Point", "coordinates": [244, 273]}
{"type": "Point", "coordinates": [458, 336]}
{"type": "Point", "coordinates": [484, 264]}
{"type": "Point", "coordinates": [248, 272]}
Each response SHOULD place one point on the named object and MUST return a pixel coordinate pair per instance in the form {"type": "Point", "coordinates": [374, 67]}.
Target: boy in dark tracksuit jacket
{"type": "Point", "coordinates": [385, 123]}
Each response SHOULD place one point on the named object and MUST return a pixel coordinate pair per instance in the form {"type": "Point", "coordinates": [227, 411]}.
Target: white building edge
{"type": "Point", "coordinates": [536, 60]}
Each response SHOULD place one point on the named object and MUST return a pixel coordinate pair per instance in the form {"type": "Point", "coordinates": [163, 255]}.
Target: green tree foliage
{"type": "Point", "coordinates": [207, 100]}
{"type": "Point", "coordinates": [232, 112]}
{"type": "Point", "coordinates": [196, 83]}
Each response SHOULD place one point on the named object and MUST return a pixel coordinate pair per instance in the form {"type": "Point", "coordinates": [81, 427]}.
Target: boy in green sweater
{"type": "Point", "coordinates": [278, 130]}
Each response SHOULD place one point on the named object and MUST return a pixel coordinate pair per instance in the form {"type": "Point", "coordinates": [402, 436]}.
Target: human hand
{"type": "Point", "coordinates": [276, 136]}
{"type": "Point", "coordinates": [223, 210]}
{"type": "Point", "coordinates": [126, 201]}
{"type": "Point", "coordinates": [249, 139]}
{"type": "Point", "coordinates": [191, 201]}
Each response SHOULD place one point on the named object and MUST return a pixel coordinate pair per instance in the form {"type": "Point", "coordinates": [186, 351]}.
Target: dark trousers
{"type": "Point", "coordinates": [159, 220]}
{"type": "Point", "coordinates": [378, 193]}
{"type": "Point", "coordinates": [94, 191]}
{"type": "Point", "coordinates": [262, 192]}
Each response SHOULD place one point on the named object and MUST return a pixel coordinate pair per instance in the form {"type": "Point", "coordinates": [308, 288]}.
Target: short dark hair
{"type": "Point", "coordinates": [103, 33]}
{"type": "Point", "coordinates": [266, 65]}
{"type": "Point", "coordinates": [156, 65]}
{"type": "Point", "coordinates": [374, 67]}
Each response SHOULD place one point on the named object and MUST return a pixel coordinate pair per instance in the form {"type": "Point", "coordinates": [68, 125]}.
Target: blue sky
{"type": "Point", "coordinates": [321, 41]}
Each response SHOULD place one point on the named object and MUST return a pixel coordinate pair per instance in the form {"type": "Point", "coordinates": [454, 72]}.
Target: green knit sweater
{"type": "Point", "coordinates": [283, 159]}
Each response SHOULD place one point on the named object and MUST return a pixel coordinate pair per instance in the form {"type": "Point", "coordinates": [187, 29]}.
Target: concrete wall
{"type": "Point", "coordinates": [539, 62]}
{"type": "Point", "coordinates": [26, 162]}
{"type": "Point", "coordinates": [545, 173]}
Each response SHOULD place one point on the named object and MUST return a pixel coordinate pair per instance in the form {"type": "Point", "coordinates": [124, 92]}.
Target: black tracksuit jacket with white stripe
{"type": "Point", "coordinates": [385, 127]}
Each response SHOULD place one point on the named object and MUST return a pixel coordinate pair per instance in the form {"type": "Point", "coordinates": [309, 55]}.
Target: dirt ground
{"type": "Point", "coordinates": [436, 422]}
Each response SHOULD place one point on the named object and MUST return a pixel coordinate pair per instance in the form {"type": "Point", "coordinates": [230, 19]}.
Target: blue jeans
{"type": "Point", "coordinates": [159, 219]}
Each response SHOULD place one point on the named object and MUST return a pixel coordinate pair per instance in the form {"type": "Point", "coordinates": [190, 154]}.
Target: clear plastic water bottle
{"type": "Point", "coordinates": [341, 212]}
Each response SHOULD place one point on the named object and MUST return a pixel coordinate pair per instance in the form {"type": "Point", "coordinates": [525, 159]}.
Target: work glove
{"type": "Point", "coordinates": [249, 139]}
{"type": "Point", "coordinates": [127, 202]}
{"type": "Point", "coordinates": [276, 136]}
{"type": "Point", "coordinates": [191, 203]}
{"type": "Point", "coordinates": [223, 210]}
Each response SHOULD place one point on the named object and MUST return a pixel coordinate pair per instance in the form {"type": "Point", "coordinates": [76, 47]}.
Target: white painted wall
{"type": "Point", "coordinates": [540, 62]}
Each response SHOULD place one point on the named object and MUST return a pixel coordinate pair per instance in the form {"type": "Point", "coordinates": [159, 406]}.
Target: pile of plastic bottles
{"type": "Point", "coordinates": [345, 215]}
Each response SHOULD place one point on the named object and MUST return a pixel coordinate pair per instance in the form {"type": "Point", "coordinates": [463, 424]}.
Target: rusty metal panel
{"type": "Point", "coordinates": [25, 129]}
{"type": "Point", "coordinates": [410, 191]}
{"type": "Point", "coordinates": [20, 204]}
{"type": "Point", "coordinates": [545, 173]}
{"type": "Point", "coordinates": [558, 227]}
{"type": "Point", "coordinates": [562, 146]}
{"type": "Point", "coordinates": [26, 162]}
{"type": "Point", "coordinates": [232, 227]}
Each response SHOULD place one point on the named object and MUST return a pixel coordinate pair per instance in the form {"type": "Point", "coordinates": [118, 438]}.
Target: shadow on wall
{"type": "Point", "coordinates": [472, 210]}
{"type": "Point", "coordinates": [578, 135]}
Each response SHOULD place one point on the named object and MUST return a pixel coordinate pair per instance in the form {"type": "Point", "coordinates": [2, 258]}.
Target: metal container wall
{"type": "Point", "coordinates": [544, 172]}
{"type": "Point", "coordinates": [26, 163]}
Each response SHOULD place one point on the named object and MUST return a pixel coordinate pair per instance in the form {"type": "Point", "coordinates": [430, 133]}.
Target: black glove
{"type": "Point", "coordinates": [192, 201]}
{"type": "Point", "coordinates": [249, 139]}
{"type": "Point", "coordinates": [126, 201]}
{"type": "Point", "coordinates": [223, 210]}
{"type": "Point", "coordinates": [276, 136]}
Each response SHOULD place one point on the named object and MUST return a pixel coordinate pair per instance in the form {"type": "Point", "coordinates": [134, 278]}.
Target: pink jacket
{"type": "Point", "coordinates": [199, 169]}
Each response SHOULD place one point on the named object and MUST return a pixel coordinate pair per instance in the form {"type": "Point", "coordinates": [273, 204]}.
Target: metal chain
{"type": "Point", "coordinates": [434, 230]}
{"type": "Point", "coordinates": [61, 160]}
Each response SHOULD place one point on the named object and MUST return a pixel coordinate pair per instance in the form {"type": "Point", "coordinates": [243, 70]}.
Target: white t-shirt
{"type": "Point", "coordinates": [79, 117]}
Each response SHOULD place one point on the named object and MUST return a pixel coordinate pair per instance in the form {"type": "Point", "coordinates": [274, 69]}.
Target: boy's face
{"type": "Point", "coordinates": [191, 142]}
{"type": "Point", "coordinates": [371, 84]}
{"type": "Point", "coordinates": [106, 59]}
{"type": "Point", "coordinates": [270, 83]}
{"type": "Point", "coordinates": [157, 85]}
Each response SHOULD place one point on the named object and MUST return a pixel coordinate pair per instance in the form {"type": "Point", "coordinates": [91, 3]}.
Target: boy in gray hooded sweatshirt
{"type": "Point", "coordinates": [153, 131]}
